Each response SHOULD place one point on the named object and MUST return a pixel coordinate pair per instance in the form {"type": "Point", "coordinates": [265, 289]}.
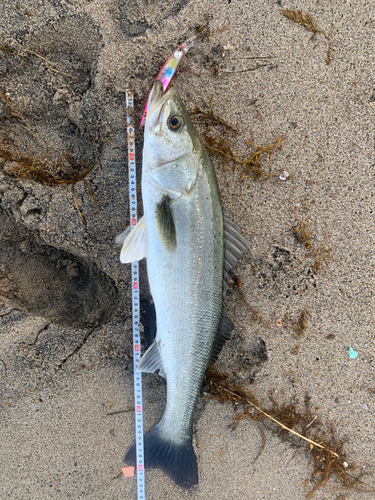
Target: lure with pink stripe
{"type": "Point", "coordinates": [169, 70]}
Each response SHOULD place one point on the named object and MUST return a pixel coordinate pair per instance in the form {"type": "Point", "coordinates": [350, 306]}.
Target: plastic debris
{"type": "Point", "coordinates": [364, 406]}
{"type": "Point", "coordinates": [284, 175]}
{"type": "Point", "coordinates": [128, 471]}
{"type": "Point", "coordinates": [352, 353]}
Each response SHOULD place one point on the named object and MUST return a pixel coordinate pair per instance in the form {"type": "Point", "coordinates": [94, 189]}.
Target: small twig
{"type": "Point", "coordinates": [91, 194]}
{"type": "Point", "coordinates": [76, 204]}
{"type": "Point", "coordinates": [6, 49]}
{"type": "Point", "coordinates": [119, 411]}
{"type": "Point", "coordinates": [49, 62]}
{"type": "Point", "coordinates": [260, 57]}
{"type": "Point", "coordinates": [313, 420]}
{"type": "Point", "coordinates": [248, 69]}
{"type": "Point", "coordinates": [118, 475]}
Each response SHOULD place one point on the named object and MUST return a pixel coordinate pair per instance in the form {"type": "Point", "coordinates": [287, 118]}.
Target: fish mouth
{"type": "Point", "coordinates": [157, 102]}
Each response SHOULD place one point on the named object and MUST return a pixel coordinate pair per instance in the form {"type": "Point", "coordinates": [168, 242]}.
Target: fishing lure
{"type": "Point", "coordinates": [169, 69]}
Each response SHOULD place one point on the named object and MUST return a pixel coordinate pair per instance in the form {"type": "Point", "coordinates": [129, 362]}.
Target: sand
{"type": "Point", "coordinates": [63, 373]}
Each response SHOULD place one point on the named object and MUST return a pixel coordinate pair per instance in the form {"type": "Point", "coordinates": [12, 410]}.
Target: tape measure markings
{"type": "Point", "coordinates": [135, 300]}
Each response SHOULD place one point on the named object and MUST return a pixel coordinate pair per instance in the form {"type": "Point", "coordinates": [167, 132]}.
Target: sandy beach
{"type": "Point", "coordinates": [303, 307]}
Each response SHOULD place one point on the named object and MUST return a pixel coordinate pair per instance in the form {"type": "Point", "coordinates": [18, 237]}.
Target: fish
{"type": "Point", "coordinates": [191, 247]}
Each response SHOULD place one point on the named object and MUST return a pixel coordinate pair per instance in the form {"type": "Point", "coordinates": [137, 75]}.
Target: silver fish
{"type": "Point", "coordinates": [190, 246]}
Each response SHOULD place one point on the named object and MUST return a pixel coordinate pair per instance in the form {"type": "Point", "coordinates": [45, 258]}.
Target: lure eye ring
{"type": "Point", "coordinates": [176, 123]}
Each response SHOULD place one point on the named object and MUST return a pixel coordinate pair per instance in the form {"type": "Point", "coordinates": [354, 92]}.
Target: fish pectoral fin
{"type": "Point", "coordinates": [165, 224]}
{"type": "Point", "coordinates": [135, 243]}
{"type": "Point", "coordinates": [224, 333]}
{"type": "Point", "coordinates": [234, 246]}
{"type": "Point", "coordinates": [151, 361]}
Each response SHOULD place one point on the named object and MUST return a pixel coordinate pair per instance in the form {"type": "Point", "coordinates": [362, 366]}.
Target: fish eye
{"type": "Point", "coordinates": [176, 123]}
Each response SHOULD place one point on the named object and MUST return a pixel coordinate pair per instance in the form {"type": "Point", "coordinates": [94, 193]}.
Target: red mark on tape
{"type": "Point", "coordinates": [135, 286]}
{"type": "Point", "coordinates": [131, 156]}
{"type": "Point", "coordinates": [134, 222]}
{"type": "Point", "coordinates": [140, 468]}
{"type": "Point", "coordinates": [138, 408]}
{"type": "Point", "coordinates": [136, 348]}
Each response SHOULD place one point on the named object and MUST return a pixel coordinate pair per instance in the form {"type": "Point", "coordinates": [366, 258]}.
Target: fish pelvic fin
{"type": "Point", "coordinates": [178, 461]}
{"type": "Point", "coordinates": [120, 238]}
{"type": "Point", "coordinates": [151, 361]}
{"type": "Point", "coordinates": [135, 243]}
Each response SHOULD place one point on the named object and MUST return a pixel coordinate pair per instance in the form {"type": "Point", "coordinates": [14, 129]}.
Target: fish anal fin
{"type": "Point", "coordinates": [165, 224]}
{"type": "Point", "coordinates": [151, 361]}
{"type": "Point", "coordinates": [224, 333]}
{"type": "Point", "coordinates": [135, 243]}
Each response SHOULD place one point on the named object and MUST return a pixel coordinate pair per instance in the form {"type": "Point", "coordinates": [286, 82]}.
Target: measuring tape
{"type": "Point", "coordinates": [135, 300]}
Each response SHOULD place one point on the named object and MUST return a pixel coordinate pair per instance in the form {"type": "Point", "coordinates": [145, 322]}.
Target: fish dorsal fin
{"type": "Point", "coordinates": [234, 247]}
{"type": "Point", "coordinates": [165, 224]}
{"type": "Point", "coordinates": [135, 243]}
{"type": "Point", "coordinates": [224, 333]}
{"type": "Point", "coordinates": [151, 361]}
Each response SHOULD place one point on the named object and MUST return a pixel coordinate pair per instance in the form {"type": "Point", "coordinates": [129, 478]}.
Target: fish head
{"type": "Point", "coordinates": [171, 142]}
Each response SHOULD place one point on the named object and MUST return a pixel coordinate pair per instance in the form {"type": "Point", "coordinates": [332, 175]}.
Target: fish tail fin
{"type": "Point", "coordinates": [177, 460]}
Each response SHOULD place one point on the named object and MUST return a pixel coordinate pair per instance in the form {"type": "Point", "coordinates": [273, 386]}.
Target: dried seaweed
{"type": "Point", "coordinates": [252, 165]}
{"type": "Point", "coordinates": [328, 59]}
{"type": "Point", "coordinates": [221, 145]}
{"type": "Point", "coordinates": [302, 323]}
{"type": "Point", "coordinates": [303, 234]}
{"type": "Point", "coordinates": [309, 24]}
{"type": "Point", "coordinates": [299, 426]}
{"type": "Point", "coordinates": [305, 20]}
{"type": "Point", "coordinates": [321, 255]}
{"type": "Point", "coordinates": [210, 118]}
{"type": "Point", "coordinates": [63, 170]}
